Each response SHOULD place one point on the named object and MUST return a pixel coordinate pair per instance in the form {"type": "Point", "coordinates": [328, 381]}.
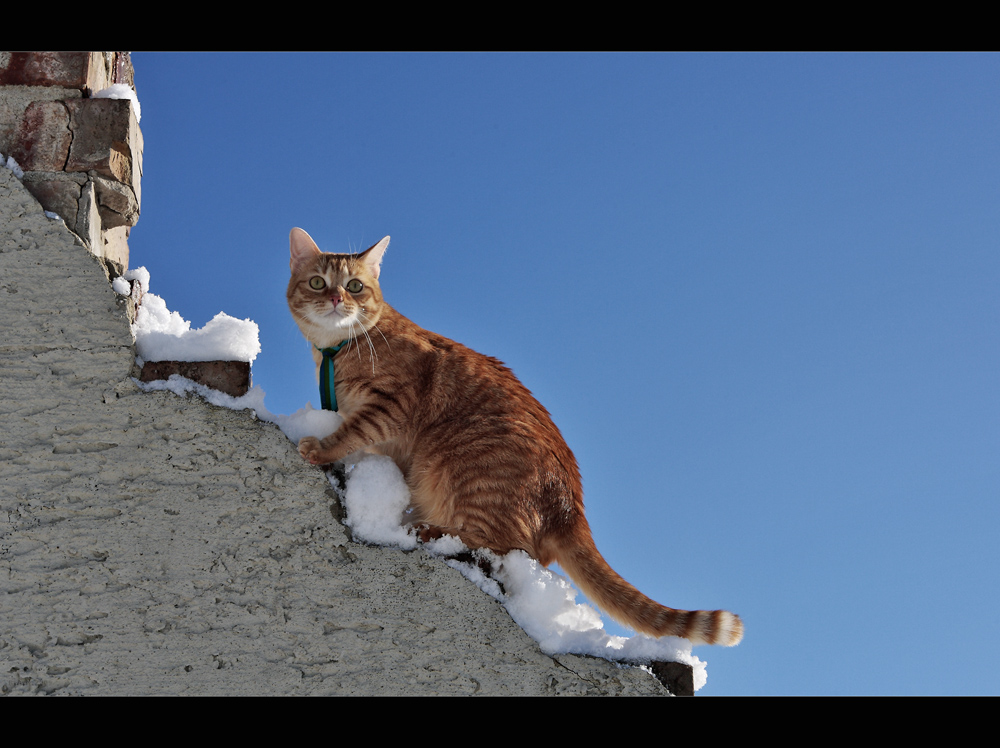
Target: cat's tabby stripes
{"type": "Point", "coordinates": [481, 456]}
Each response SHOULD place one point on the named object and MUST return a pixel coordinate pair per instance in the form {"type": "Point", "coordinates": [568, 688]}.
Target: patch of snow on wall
{"type": "Point", "coordinates": [163, 335]}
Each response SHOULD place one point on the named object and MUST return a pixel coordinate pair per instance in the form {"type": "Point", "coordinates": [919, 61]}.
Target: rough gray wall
{"type": "Point", "coordinates": [155, 545]}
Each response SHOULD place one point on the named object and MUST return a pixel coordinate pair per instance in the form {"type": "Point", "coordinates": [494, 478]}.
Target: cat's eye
{"type": "Point", "coordinates": [316, 283]}
{"type": "Point", "coordinates": [354, 285]}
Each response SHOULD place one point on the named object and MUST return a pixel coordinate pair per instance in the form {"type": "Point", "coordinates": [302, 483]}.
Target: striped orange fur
{"type": "Point", "coordinates": [481, 456]}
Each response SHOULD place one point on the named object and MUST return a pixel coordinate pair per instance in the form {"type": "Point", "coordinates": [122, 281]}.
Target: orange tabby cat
{"type": "Point", "coordinates": [480, 455]}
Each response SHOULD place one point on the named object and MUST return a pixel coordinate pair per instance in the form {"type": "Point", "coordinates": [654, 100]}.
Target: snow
{"type": "Point", "coordinates": [11, 164]}
{"type": "Point", "coordinates": [375, 500]}
{"type": "Point", "coordinates": [121, 286]}
{"type": "Point", "coordinates": [162, 335]}
{"type": "Point", "coordinates": [121, 91]}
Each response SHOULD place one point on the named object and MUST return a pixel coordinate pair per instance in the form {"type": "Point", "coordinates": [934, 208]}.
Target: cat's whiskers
{"type": "Point", "coordinates": [389, 347]}
{"type": "Point", "coordinates": [355, 339]}
{"type": "Point", "coordinates": [372, 354]}
{"type": "Point", "coordinates": [374, 327]}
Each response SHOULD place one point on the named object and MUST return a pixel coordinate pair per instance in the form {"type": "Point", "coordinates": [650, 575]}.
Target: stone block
{"type": "Point", "coordinates": [121, 69]}
{"type": "Point", "coordinates": [231, 377]}
{"type": "Point", "coordinates": [115, 249]}
{"type": "Point", "coordinates": [14, 101]}
{"type": "Point", "coordinates": [57, 192]}
{"type": "Point", "coordinates": [79, 70]}
{"type": "Point", "coordinates": [116, 202]}
{"type": "Point", "coordinates": [43, 137]}
{"type": "Point", "coordinates": [88, 218]}
{"type": "Point", "coordinates": [677, 677]}
{"type": "Point", "coordinates": [106, 139]}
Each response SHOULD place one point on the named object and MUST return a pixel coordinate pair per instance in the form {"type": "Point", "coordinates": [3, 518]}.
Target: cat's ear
{"type": "Point", "coordinates": [372, 257]}
{"type": "Point", "coordinates": [303, 249]}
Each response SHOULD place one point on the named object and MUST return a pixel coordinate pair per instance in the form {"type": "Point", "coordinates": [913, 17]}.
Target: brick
{"type": "Point", "coordinates": [231, 377]}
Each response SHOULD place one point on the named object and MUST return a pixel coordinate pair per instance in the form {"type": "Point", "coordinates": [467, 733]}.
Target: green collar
{"type": "Point", "coordinates": [327, 393]}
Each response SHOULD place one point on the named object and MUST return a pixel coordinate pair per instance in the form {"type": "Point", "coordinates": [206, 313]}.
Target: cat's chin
{"type": "Point", "coordinates": [334, 319]}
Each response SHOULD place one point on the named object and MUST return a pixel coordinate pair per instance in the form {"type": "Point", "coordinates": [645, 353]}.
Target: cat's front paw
{"type": "Point", "coordinates": [311, 450]}
{"type": "Point", "coordinates": [427, 533]}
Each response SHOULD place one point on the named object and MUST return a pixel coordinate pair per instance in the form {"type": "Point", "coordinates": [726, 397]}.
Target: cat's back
{"type": "Point", "coordinates": [476, 436]}
{"type": "Point", "coordinates": [462, 390]}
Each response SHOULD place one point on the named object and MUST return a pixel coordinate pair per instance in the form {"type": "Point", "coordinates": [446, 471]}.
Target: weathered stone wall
{"type": "Point", "coordinates": [151, 544]}
{"type": "Point", "coordinates": [81, 156]}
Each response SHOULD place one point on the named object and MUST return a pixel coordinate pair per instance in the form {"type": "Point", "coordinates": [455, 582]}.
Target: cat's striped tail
{"type": "Point", "coordinates": [623, 602]}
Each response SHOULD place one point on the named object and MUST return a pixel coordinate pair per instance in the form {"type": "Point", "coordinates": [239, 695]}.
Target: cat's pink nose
{"type": "Point", "coordinates": [335, 298]}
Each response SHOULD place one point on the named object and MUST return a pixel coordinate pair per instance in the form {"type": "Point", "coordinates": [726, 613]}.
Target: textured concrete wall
{"type": "Point", "coordinates": [155, 545]}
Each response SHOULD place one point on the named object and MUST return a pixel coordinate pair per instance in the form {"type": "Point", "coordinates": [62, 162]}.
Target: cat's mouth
{"type": "Point", "coordinates": [337, 314]}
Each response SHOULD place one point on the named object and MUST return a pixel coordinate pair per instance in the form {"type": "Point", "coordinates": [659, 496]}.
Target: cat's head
{"type": "Point", "coordinates": [333, 297]}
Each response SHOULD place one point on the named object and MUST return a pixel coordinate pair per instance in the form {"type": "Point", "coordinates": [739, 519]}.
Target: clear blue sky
{"type": "Point", "coordinates": [757, 292]}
